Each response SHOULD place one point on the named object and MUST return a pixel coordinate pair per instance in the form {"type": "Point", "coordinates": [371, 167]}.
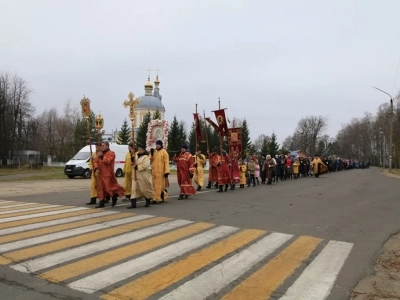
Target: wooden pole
{"type": "Point", "coordinates": [195, 130]}
{"type": "Point", "coordinates": [206, 128]}
{"type": "Point", "coordinates": [134, 145]}
{"type": "Point", "coordinates": [89, 138]}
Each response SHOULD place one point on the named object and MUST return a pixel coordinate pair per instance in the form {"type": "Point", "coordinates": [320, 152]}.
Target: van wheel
{"type": "Point", "coordinates": [86, 174]}
{"type": "Point", "coordinates": [119, 173]}
{"type": "Point", "coordinates": [71, 176]}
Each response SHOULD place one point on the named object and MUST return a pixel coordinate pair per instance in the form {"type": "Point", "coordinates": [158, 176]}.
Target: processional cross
{"type": "Point", "coordinates": [131, 103]}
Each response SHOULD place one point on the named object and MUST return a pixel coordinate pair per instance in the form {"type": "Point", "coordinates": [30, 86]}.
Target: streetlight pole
{"type": "Point", "coordinates": [391, 129]}
{"type": "Point", "coordinates": [381, 146]}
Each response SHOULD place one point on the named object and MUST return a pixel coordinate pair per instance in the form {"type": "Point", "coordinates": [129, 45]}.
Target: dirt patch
{"type": "Point", "coordinates": [395, 174]}
{"type": "Point", "coordinates": [385, 282]}
{"type": "Point", "coordinates": [24, 188]}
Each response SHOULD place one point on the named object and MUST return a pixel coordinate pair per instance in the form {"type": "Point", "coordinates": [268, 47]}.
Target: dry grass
{"type": "Point", "coordinates": [27, 169]}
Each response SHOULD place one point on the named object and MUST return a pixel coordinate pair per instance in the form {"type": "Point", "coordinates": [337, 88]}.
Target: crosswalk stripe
{"type": "Point", "coordinates": [4, 202]}
{"type": "Point", "coordinates": [37, 215]}
{"type": "Point", "coordinates": [43, 231]}
{"type": "Point", "coordinates": [68, 233]}
{"type": "Point", "coordinates": [66, 272]}
{"type": "Point", "coordinates": [160, 279]}
{"type": "Point", "coordinates": [92, 248]}
{"type": "Point", "coordinates": [112, 275]}
{"type": "Point", "coordinates": [21, 212]}
{"type": "Point", "coordinates": [317, 280]}
{"type": "Point", "coordinates": [94, 214]}
{"type": "Point", "coordinates": [218, 277]}
{"type": "Point", "coordinates": [276, 270]}
{"type": "Point", "coordinates": [30, 252]}
{"type": "Point", "coordinates": [47, 217]}
{"type": "Point", "coordinates": [3, 207]}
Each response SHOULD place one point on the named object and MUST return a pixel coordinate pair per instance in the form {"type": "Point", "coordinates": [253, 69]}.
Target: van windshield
{"type": "Point", "coordinates": [81, 156]}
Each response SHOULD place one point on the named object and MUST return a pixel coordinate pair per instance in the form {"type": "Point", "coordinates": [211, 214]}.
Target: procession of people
{"type": "Point", "coordinates": [147, 167]}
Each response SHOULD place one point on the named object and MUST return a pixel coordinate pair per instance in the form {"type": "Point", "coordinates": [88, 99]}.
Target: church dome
{"type": "Point", "coordinates": [151, 102]}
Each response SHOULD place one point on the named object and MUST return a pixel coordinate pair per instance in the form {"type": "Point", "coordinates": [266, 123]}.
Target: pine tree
{"type": "Point", "coordinates": [246, 141]}
{"type": "Point", "coordinates": [174, 143]}
{"type": "Point", "coordinates": [124, 136]}
{"type": "Point", "coordinates": [182, 134]}
{"type": "Point", "coordinates": [141, 135]}
{"type": "Point", "coordinates": [273, 146]}
{"type": "Point", "coordinates": [81, 138]}
{"type": "Point", "coordinates": [157, 115]}
{"type": "Point", "coordinates": [264, 148]}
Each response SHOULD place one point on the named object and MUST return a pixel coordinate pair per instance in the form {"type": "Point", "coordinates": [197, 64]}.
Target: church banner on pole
{"type": "Point", "coordinates": [235, 142]}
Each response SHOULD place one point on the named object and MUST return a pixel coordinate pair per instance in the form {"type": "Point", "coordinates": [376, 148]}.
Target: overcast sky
{"type": "Point", "coordinates": [271, 62]}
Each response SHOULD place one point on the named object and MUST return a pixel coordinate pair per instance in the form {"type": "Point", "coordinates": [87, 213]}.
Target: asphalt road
{"type": "Point", "coordinates": [358, 207]}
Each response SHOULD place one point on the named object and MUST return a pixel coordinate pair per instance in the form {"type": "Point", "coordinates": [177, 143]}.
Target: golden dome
{"type": "Point", "coordinates": [157, 81]}
{"type": "Point", "coordinates": [148, 84]}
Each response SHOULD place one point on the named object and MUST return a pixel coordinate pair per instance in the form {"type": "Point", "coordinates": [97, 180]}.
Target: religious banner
{"type": "Point", "coordinates": [221, 121]}
{"type": "Point", "coordinates": [157, 130]}
{"type": "Point", "coordinates": [215, 126]}
{"type": "Point", "coordinates": [235, 142]}
{"type": "Point", "coordinates": [199, 135]}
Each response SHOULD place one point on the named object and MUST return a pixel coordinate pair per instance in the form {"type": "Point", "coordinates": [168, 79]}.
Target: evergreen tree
{"type": "Point", "coordinates": [273, 146]}
{"type": "Point", "coordinates": [265, 148]}
{"type": "Point", "coordinates": [81, 137]}
{"type": "Point", "coordinates": [141, 135]}
{"type": "Point", "coordinates": [182, 134]}
{"type": "Point", "coordinates": [174, 143]}
{"type": "Point", "coordinates": [157, 115]}
{"type": "Point", "coordinates": [124, 136]}
{"type": "Point", "coordinates": [246, 141]}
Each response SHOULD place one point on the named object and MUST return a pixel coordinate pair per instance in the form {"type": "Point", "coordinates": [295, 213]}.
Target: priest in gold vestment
{"type": "Point", "coordinates": [128, 172]}
{"type": "Point", "coordinates": [93, 178]}
{"type": "Point", "coordinates": [160, 171]}
{"type": "Point", "coordinates": [199, 164]}
{"type": "Point", "coordinates": [318, 166]}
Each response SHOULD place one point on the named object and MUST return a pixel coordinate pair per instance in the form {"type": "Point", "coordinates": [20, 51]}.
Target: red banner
{"type": "Point", "coordinates": [221, 121]}
{"type": "Point", "coordinates": [235, 142]}
{"type": "Point", "coordinates": [215, 126]}
{"type": "Point", "coordinates": [199, 135]}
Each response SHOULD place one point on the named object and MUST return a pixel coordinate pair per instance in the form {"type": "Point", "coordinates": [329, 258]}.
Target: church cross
{"type": "Point", "coordinates": [131, 103]}
{"type": "Point", "coordinates": [149, 70]}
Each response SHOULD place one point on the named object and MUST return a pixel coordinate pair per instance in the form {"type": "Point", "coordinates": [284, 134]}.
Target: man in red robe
{"type": "Point", "coordinates": [107, 183]}
{"type": "Point", "coordinates": [222, 165]}
{"type": "Point", "coordinates": [212, 172]}
{"type": "Point", "coordinates": [185, 172]}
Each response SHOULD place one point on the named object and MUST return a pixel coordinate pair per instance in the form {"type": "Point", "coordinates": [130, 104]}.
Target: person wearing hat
{"type": "Point", "coordinates": [141, 181]}
{"type": "Point", "coordinates": [185, 171]}
{"type": "Point", "coordinates": [160, 172]}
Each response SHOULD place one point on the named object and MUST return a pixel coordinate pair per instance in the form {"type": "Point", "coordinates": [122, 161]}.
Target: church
{"type": "Point", "coordinates": [149, 102]}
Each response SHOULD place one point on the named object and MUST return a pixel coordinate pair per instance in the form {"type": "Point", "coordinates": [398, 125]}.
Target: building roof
{"type": "Point", "coordinates": [151, 102]}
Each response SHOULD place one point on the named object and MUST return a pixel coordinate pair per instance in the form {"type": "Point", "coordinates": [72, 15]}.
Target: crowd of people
{"type": "Point", "coordinates": [147, 173]}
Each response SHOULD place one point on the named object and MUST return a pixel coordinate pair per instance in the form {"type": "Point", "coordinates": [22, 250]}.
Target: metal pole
{"type": "Point", "coordinates": [391, 129]}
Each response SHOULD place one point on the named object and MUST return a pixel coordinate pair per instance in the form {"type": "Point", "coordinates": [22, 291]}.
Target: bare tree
{"type": "Point", "coordinates": [258, 142]}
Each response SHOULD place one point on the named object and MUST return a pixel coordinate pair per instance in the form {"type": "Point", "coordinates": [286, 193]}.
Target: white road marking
{"type": "Point", "coordinates": [100, 280]}
{"type": "Point", "coordinates": [71, 254]}
{"type": "Point", "coordinates": [28, 209]}
{"type": "Point", "coordinates": [68, 233]}
{"type": "Point", "coordinates": [141, 201]}
{"type": "Point", "coordinates": [6, 202]}
{"type": "Point", "coordinates": [49, 213]}
{"type": "Point", "coordinates": [221, 275]}
{"type": "Point", "coordinates": [15, 205]}
{"type": "Point", "coordinates": [316, 282]}
{"type": "Point", "coordinates": [54, 222]}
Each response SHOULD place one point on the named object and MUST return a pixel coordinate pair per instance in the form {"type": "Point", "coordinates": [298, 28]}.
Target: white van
{"type": "Point", "coordinates": [79, 164]}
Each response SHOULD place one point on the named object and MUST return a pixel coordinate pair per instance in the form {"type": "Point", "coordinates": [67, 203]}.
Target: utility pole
{"type": "Point", "coordinates": [391, 129]}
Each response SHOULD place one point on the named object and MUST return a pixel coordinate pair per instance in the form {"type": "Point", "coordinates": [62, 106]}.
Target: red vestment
{"type": "Point", "coordinates": [107, 183]}
{"type": "Point", "coordinates": [221, 163]}
{"type": "Point", "coordinates": [212, 171]}
{"type": "Point", "coordinates": [234, 171]}
{"type": "Point", "coordinates": [185, 167]}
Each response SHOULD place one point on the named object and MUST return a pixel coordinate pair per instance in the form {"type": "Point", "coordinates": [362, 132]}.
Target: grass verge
{"type": "Point", "coordinates": [24, 170]}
